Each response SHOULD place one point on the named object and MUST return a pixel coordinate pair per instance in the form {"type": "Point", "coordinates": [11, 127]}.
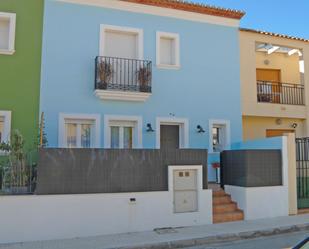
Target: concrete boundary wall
{"type": "Point", "coordinates": [261, 202]}
{"type": "Point", "coordinates": [48, 217]}
{"type": "Point", "coordinates": [268, 201]}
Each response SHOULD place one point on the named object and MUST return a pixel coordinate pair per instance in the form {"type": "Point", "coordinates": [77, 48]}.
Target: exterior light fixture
{"type": "Point", "coordinates": [278, 121]}
{"type": "Point", "coordinates": [149, 128]}
{"type": "Point", "coordinates": [294, 125]}
{"type": "Point", "coordinates": [200, 129]}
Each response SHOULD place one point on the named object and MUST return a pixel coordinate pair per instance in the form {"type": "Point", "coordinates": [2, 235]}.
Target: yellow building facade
{"type": "Point", "coordinates": [274, 84]}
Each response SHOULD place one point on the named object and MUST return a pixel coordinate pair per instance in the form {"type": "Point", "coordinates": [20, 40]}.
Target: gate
{"type": "Point", "coordinates": [302, 172]}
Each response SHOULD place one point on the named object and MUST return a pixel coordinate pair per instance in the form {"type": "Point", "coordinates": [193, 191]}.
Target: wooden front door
{"type": "Point", "coordinates": [169, 136]}
{"type": "Point", "coordinates": [273, 77]}
{"type": "Point", "coordinates": [277, 132]}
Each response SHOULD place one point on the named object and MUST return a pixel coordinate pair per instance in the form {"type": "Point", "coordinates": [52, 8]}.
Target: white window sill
{"type": "Point", "coordinates": [122, 95]}
{"type": "Point", "coordinates": [7, 52]}
{"type": "Point", "coordinates": [166, 66]}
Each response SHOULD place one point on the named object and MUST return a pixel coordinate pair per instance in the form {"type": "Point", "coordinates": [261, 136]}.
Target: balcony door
{"type": "Point", "coordinates": [121, 48]}
{"type": "Point", "coordinates": [270, 88]}
{"type": "Point", "coordinates": [121, 44]}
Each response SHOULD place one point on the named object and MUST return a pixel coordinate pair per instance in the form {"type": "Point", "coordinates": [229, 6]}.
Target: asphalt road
{"type": "Point", "coordinates": [282, 241]}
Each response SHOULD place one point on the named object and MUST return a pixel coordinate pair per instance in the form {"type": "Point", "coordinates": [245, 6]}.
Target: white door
{"type": "Point", "coordinates": [185, 191]}
{"type": "Point", "coordinates": [123, 47]}
{"type": "Point", "coordinates": [121, 44]}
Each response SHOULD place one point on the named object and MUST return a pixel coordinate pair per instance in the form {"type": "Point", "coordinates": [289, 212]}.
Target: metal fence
{"type": "Point", "coordinates": [280, 93]}
{"type": "Point", "coordinates": [18, 177]}
{"type": "Point", "coordinates": [123, 74]}
{"type": "Point", "coordinates": [302, 171]}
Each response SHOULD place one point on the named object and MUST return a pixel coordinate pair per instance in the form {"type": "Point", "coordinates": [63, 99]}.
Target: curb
{"type": "Point", "coordinates": [220, 238]}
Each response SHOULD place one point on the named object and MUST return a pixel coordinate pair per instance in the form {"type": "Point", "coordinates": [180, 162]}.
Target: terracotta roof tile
{"type": "Point", "coordinates": [274, 34]}
{"type": "Point", "coordinates": [192, 7]}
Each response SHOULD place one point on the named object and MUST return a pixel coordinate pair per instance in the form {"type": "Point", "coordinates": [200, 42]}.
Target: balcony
{"type": "Point", "coordinates": [122, 79]}
{"type": "Point", "coordinates": [280, 93]}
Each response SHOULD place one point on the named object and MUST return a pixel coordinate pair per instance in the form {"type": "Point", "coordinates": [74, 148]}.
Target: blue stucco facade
{"type": "Point", "coordinates": [206, 86]}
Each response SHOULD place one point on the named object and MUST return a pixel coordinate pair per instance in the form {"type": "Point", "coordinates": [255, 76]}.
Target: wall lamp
{"type": "Point", "coordinates": [294, 125]}
{"type": "Point", "coordinates": [149, 128]}
{"type": "Point", "coordinates": [200, 129]}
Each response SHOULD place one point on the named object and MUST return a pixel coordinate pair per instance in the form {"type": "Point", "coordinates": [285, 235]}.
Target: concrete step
{"type": "Point", "coordinates": [228, 216]}
{"type": "Point", "coordinates": [218, 193]}
{"type": "Point", "coordinates": [222, 208]}
{"type": "Point", "coordinates": [225, 199]}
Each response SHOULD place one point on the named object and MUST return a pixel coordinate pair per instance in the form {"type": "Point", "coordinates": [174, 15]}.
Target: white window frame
{"type": "Point", "coordinates": [91, 117]}
{"type": "Point", "coordinates": [221, 122]}
{"type": "Point", "coordinates": [175, 37]}
{"type": "Point", "coordinates": [137, 130]}
{"type": "Point", "coordinates": [183, 124]}
{"type": "Point", "coordinates": [121, 29]}
{"type": "Point", "coordinates": [7, 125]}
{"type": "Point", "coordinates": [12, 20]}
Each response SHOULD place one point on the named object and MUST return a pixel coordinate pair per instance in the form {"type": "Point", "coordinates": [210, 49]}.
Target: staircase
{"type": "Point", "coordinates": [224, 209]}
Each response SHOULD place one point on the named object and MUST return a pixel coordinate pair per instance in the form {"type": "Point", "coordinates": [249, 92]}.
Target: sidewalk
{"type": "Point", "coordinates": [178, 237]}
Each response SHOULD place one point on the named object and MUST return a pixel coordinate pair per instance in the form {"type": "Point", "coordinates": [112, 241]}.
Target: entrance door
{"type": "Point", "coordinates": [185, 191]}
{"type": "Point", "coordinates": [277, 132]}
{"type": "Point", "coordinates": [302, 172]}
{"type": "Point", "coordinates": [169, 136]}
{"type": "Point", "coordinates": [270, 79]}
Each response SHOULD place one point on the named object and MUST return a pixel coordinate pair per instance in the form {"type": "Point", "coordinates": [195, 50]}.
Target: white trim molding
{"type": "Point", "coordinates": [158, 11]}
{"type": "Point", "coordinates": [137, 133]}
{"type": "Point", "coordinates": [139, 32]}
{"type": "Point", "coordinates": [122, 95]}
{"type": "Point", "coordinates": [7, 115]}
{"type": "Point", "coordinates": [176, 39]}
{"type": "Point", "coordinates": [226, 123]}
{"type": "Point", "coordinates": [183, 131]}
{"type": "Point", "coordinates": [12, 26]}
{"type": "Point", "coordinates": [96, 118]}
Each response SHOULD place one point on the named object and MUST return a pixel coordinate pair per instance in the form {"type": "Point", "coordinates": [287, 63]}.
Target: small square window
{"type": "Point", "coordinates": [7, 33]}
{"type": "Point", "coordinates": [187, 174]}
{"type": "Point", "coordinates": [168, 50]}
{"type": "Point", "coordinates": [180, 174]}
{"type": "Point", "coordinates": [5, 126]}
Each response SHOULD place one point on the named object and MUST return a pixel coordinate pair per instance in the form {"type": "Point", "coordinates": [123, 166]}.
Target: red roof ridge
{"type": "Point", "coordinates": [274, 34]}
{"type": "Point", "coordinates": [192, 7]}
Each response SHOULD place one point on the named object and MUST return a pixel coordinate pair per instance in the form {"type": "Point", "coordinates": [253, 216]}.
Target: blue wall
{"type": "Point", "coordinates": [262, 144]}
{"type": "Point", "coordinates": [207, 86]}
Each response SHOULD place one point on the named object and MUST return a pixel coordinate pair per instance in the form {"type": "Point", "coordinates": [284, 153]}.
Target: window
{"type": "Point", "coordinates": [122, 132]}
{"type": "Point", "coordinates": [219, 135]}
{"type": "Point", "coordinates": [1, 128]}
{"type": "Point", "coordinates": [167, 50]}
{"type": "Point", "coordinates": [5, 126]}
{"type": "Point", "coordinates": [122, 136]}
{"type": "Point", "coordinates": [79, 131]}
{"type": "Point", "coordinates": [7, 32]}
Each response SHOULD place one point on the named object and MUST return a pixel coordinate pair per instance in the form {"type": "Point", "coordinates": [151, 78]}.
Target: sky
{"type": "Point", "coordinates": [290, 17]}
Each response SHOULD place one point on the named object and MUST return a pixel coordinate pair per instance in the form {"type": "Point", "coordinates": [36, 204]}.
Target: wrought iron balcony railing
{"type": "Point", "coordinates": [280, 93]}
{"type": "Point", "coordinates": [120, 74]}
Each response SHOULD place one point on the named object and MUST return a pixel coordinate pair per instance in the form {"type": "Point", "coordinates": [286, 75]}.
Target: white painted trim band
{"type": "Point", "coordinates": [159, 11]}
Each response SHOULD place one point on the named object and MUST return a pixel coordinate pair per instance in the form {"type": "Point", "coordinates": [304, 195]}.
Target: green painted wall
{"type": "Point", "coordinates": [20, 72]}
